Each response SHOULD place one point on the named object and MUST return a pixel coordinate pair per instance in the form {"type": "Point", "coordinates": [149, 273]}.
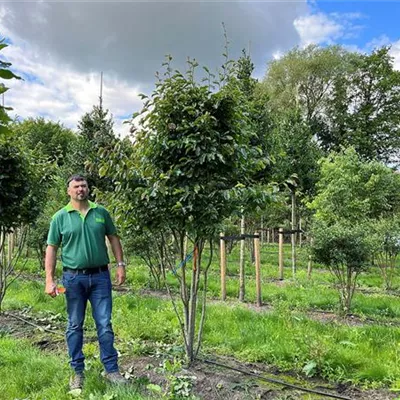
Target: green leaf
{"type": "Point", "coordinates": [3, 88]}
{"type": "Point", "coordinates": [75, 392]}
{"type": "Point", "coordinates": [154, 388]}
{"type": "Point", "coordinates": [310, 368]}
{"type": "Point", "coordinates": [7, 74]}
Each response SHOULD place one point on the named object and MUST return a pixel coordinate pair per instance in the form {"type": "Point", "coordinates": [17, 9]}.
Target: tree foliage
{"type": "Point", "coordinates": [303, 78]}
{"type": "Point", "coordinates": [191, 153]}
{"type": "Point", "coordinates": [95, 132]}
{"type": "Point", "coordinates": [49, 139]}
{"type": "Point", "coordinates": [363, 108]}
{"type": "Point", "coordinates": [353, 197]}
{"type": "Point", "coordinates": [354, 190]}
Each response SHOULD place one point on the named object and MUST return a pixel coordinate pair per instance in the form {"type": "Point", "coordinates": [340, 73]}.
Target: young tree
{"type": "Point", "coordinates": [343, 248]}
{"type": "Point", "coordinates": [95, 132]}
{"type": "Point", "coordinates": [15, 207]}
{"type": "Point", "coordinates": [352, 196]}
{"type": "Point", "coordinates": [192, 149]}
{"type": "Point", "coordinates": [5, 73]}
{"type": "Point", "coordinates": [385, 243]}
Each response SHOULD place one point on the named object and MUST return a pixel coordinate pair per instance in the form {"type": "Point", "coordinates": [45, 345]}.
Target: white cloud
{"type": "Point", "coordinates": [317, 28]}
{"type": "Point", "coordinates": [132, 38]}
{"type": "Point", "coordinates": [61, 47]}
{"type": "Point", "coordinates": [395, 53]}
{"type": "Point", "coordinates": [377, 42]}
{"type": "Point", "coordinates": [277, 55]}
{"type": "Point", "coordinates": [60, 93]}
{"type": "Point", "coordinates": [320, 28]}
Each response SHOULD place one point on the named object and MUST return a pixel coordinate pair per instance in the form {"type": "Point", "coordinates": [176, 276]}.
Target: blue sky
{"type": "Point", "coordinates": [62, 47]}
{"type": "Point", "coordinates": [377, 18]}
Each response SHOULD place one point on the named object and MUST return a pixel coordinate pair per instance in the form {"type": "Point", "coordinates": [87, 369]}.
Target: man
{"type": "Point", "coordinates": [81, 227]}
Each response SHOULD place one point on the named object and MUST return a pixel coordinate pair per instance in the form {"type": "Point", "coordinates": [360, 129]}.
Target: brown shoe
{"type": "Point", "coordinates": [116, 378]}
{"type": "Point", "coordinates": [76, 382]}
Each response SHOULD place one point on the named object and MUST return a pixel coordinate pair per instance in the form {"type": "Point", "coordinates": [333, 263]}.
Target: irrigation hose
{"type": "Point", "coordinates": [33, 324]}
{"type": "Point", "coordinates": [271, 380]}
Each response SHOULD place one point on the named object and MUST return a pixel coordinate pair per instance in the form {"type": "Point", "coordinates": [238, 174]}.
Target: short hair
{"type": "Point", "coordinates": [76, 177]}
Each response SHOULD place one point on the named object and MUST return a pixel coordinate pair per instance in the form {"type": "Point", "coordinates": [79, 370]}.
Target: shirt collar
{"type": "Point", "coordinates": [69, 207]}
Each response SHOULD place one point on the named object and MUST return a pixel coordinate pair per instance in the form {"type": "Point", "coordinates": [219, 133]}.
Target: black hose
{"type": "Point", "coordinates": [271, 380]}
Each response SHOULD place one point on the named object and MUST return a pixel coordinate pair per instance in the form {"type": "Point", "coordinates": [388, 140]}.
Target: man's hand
{"type": "Point", "coordinates": [51, 288]}
{"type": "Point", "coordinates": [120, 275]}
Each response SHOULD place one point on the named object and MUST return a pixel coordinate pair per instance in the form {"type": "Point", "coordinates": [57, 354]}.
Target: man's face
{"type": "Point", "coordinates": [78, 190]}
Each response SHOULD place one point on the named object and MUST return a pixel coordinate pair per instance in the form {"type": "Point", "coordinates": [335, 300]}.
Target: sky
{"type": "Point", "coordinates": [60, 48]}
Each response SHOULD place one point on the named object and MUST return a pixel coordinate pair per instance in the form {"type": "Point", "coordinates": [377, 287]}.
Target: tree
{"type": "Point", "coordinates": [363, 108]}
{"type": "Point", "coordinates": [95, 131]}
{"type": "Point", "coordinates": [5, 73]}
{"type": "Point", "coordinates": [343, 248]}
{"type": "Point", "coordinates": [385, 243]}
{"type": "Point", "coordinates": [352, 196]}
{"type": "Point", "coordinates": [51, 139]}
{"type": "Point", "coordinates": [296, 165]}
{"type": "Point", "coordinates": [347, 99]}
{"type": "Point", "coordinates": [303, 78]}
{"type": "Point", "coordinates": [191, 151]}
{"type": "Point", "coordinates": [21, 191]}
{"type": "Point", "coordinates": [354, 190]}
{"type": "Point", "coordinates": [47, 145]}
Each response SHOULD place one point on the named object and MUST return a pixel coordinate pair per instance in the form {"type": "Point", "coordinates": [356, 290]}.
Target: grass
{"type": "Point", "coordinates": [28, 373]}
{"type": "Point", "coordinates": [287, 337]}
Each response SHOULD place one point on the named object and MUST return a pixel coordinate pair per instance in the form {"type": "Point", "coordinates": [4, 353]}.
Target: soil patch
{"type": "Point", "coordinates": [214, 383]}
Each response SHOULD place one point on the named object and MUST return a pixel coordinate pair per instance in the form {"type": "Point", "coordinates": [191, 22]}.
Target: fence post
{"type": "Point", "coordinates": [241, 262]}
{"type": "Point", "coordinates": [258, 268]}
{"type": "Point", "coordinates": [222, 246]}
{"type": "Point", "coordinates": [281, 254]}
{"type": "Point", "coordinates": [309, 267]}
{"type": "Point", "coordinates": [2, 246]}
{"type": "Point", "coordinates": [10, 247]}
{"type": "Point", "coordinates": [300, 232]}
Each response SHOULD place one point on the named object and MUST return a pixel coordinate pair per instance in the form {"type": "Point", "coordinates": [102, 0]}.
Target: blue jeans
{"type": "Point", "coordinates": [97, 289]}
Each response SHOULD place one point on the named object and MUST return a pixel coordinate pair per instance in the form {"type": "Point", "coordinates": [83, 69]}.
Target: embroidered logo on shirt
{"type": "Point", "coordinates": [100, 219]}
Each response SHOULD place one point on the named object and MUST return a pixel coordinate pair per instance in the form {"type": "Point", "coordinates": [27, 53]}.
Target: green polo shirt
{"type": "Point", "coordinates": [82, 237]}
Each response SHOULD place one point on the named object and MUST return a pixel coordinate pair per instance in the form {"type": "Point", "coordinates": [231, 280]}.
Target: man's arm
{"type": "Point", "coordinates": [50, 267]}
{"type": "Point", "coordinates": [119, 257]}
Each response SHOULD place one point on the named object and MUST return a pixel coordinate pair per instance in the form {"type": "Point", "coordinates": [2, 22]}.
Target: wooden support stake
{"type": "Point", "coordinates": [293, 234]}
{"type": "Point", "coordinates": [300, 233]}
{"type": "Point", "coordinates": [309, 267]}
{"type": "Point", "coordinates": [10, 247]}
{"type": "Point", "coordinates": [258, 269]}
{"type": "Point", "coordinates": [2, 245]}
{"type": "Point", "coordinates": [242, 284]}
{"type": "Point", "coordinates": [222, 246]}
{"type": "Point", "coordinates": [281, 254]}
